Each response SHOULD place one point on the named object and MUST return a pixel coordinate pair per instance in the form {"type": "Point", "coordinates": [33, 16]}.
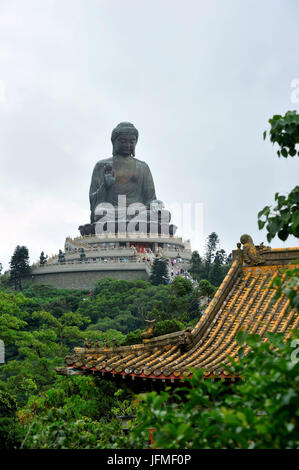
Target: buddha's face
{"type": "Point", "coordinates": [125, 144]}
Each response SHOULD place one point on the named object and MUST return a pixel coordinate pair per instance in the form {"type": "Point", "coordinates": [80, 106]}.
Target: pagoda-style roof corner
{"type": "Point", "coordinates": [244, 301]}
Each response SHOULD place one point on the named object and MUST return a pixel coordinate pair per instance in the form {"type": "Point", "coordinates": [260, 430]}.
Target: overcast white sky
{"type": "Point", "coordinates": [199, 79]}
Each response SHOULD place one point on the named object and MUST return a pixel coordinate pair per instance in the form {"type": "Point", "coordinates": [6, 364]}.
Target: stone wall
{"type": "Point", "coordinates": [85, 275]}
{"type": "Point", "coordinates": [85, 279]}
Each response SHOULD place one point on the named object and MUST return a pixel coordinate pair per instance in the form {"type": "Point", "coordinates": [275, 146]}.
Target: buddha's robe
{"type": "Point", "coordinates": [133, 179]}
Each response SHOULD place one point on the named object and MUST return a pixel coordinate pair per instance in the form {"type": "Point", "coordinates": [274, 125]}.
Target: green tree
{"type": "Point", "coordinates": [159, 274]}
{"type": "Point", "coordinates": [183, 304]}
{"type": "Point", "coordinates": [205, 289]}
{"type": "Point", "coordinates": [181, 286]}
{"type": "Point", "coordinates": [197, 265]}
{"type": "Point", "coordinates": [19, 266]}
{"type": "Point", "coordinates": [211, 247]}
{"type": "Point", "coordinates": [168, 326]}
{"type": "Point", "coordinates": [5, 282]}
{"type": "Point", "coordinates": [66, 328]}
{"type": "Point", "coordinates": [73, 413]}
{"type": "Point", "coordinates": [219, 268]}
{"type": "Point", "coordinates": [10, 429]}
{"type": "Point", "coordinates": [11, 316]}
{"type": "Point", "coordinates": [33, 369]}
{"type": "Point", "coordinates": [134, 337]}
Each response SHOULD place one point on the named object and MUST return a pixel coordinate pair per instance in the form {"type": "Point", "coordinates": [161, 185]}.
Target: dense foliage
{"type": "Point", "coordinates": [41, 325]}
{"type": "Point", "coordinates": [124, 305]}
{"type": "Point", "coordinates": [74, 413]}
{"type": "Point", "coordinates": [10, 428]}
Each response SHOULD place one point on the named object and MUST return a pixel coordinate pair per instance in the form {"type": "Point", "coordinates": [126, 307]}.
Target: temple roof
{"type": "Point", "coordinates": [244, 301]}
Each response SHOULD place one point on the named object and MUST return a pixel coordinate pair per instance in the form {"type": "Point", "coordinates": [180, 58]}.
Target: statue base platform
{"type": "Point", "coordinates": [119, 256]}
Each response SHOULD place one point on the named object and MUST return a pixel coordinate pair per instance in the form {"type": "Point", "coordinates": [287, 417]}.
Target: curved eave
{"type": "Point", "coordinates": [142, 375]}
{"type": "Point", "coordinates": [244, 301]}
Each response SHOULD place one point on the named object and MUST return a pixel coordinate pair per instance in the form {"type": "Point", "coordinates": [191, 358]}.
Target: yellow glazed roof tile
{"type": "Point", "coordinates": [243, 301]}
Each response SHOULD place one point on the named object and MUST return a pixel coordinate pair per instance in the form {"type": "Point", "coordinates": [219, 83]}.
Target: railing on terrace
{"type": "Point", "coordinates": [126, 235]}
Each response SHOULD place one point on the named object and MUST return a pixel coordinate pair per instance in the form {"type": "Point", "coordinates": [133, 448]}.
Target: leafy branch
{"type": "Point", "coordinates": [283, 220]}
{"type": "Point", "coordinates": [285, 132]}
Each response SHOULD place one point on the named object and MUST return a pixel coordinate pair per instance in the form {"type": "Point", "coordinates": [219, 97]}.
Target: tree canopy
{"type": "Point", "coordinates": [19, 266]}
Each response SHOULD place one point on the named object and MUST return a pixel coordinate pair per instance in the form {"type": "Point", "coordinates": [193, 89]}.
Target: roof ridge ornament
{"type": "Point", "coordinates": [252, 254]}
{"type": "Point", "coordinates": [150, 328]}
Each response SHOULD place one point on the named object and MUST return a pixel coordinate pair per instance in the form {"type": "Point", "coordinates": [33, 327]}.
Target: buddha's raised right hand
{"type": "Point", "coordinates": [109, 180]}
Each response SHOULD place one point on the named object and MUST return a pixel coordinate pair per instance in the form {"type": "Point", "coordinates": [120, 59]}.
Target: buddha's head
{"type": "Point", "coordinates": [124, 139]}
